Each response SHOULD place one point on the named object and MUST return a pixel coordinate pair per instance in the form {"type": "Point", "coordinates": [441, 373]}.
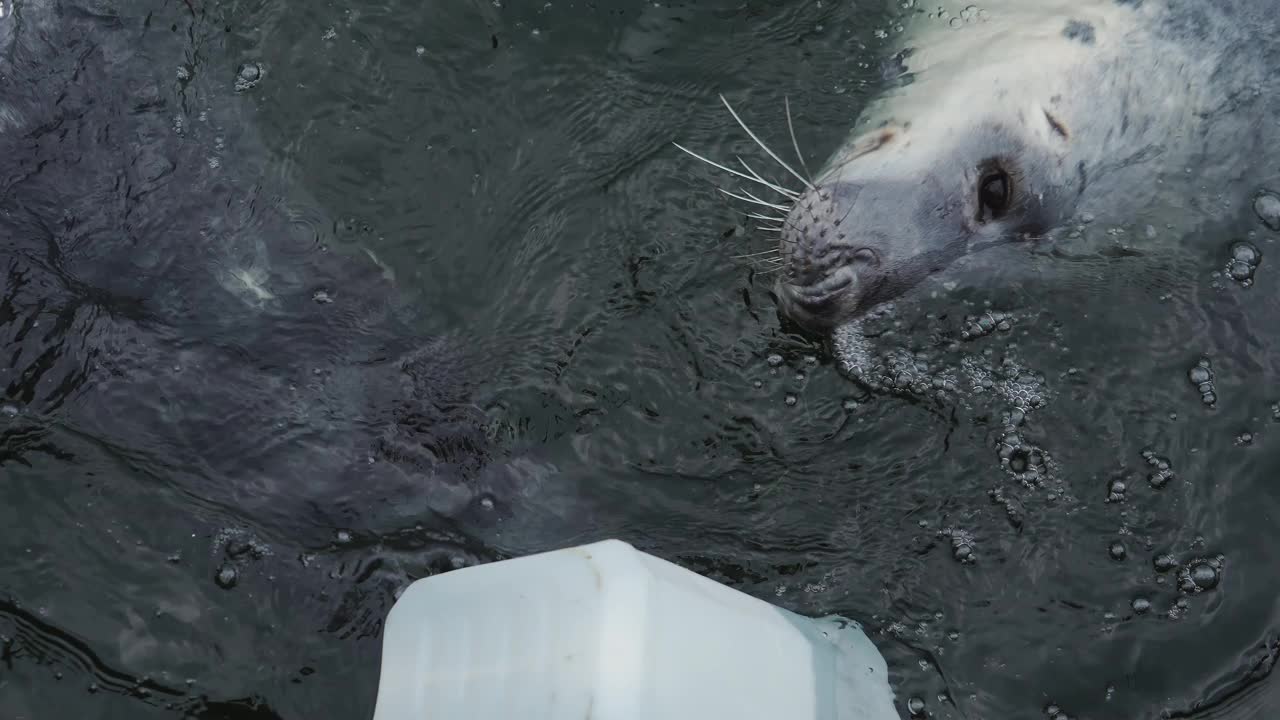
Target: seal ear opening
{"type": "Point", "coordinates": [873, 141]}
{"type": "Point", "coordinates": [1056, 125]}
{"type": "Point", "coordinates": [995, 191]}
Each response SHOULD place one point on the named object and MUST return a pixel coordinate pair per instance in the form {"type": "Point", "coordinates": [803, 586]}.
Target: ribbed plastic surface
{"type": "Point", "coordinates": [606, 632]}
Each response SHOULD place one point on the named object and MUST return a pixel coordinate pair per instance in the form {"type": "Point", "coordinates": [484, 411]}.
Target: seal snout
{"type": "Point", "coordinates": [830, 263]}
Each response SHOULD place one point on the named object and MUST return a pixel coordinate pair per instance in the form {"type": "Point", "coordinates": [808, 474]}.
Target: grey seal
{"type": "Point", "coordinates": [1009, 125]}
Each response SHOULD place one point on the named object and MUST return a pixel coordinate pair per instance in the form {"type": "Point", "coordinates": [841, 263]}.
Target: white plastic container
{"type": "Point", "coordinates": [606, 632]}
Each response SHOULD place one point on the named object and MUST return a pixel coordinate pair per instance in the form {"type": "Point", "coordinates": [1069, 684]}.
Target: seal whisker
{"type": "Point", "coordinates": [784, 223]}
{"type": "Point", "coordinates": [753, 197]}
{"type": "Point", "coordinates": [758, 201]}
{"type": "Point", "coordinates": [758, 254]}
{"type": "Point", "coordinates": [771, 229]}
{"type": "Point", "coordinates": [764, 147]}
{"type": "Point", "coordinates": [789, 193]}
{"type": "Point", "coordinates": [791, 128]}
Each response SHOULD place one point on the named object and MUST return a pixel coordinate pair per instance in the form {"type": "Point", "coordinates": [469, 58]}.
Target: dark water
{"type": "Point", "coordinates": [229, 435]}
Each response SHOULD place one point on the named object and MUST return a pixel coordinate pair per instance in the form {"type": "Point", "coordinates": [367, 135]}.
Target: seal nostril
{"type": "Point", "coordinates": [866, 257]}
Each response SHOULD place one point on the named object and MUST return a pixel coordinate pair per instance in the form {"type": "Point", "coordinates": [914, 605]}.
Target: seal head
{"type": "Point", "coordinates": [999, 134]}
{"type": "Point", "coordinates": [893, 211]}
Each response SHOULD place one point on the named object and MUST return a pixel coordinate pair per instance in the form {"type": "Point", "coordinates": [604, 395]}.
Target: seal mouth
{"type": "Point", "coordinates": [819, 296]}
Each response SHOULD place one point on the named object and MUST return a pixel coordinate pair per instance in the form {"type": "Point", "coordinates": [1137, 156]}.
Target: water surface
{"type": "Point", "coordinates": [491, 191]}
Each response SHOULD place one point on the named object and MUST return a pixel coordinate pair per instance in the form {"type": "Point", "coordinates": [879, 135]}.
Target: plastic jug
{"type": "Point", "coordinates": [606, 632]}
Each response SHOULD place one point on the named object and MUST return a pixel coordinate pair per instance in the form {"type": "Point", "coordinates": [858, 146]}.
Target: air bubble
{"type": "Point", "coordinates": [1116, 490]}
{"type": "Point", "coordinates": [9, 410]}
{"type": "Point", "coordinates": [1011, 509]}
{"type": "Point", "coordinates": [1019, 461]}
{"type": "Point", "coordinates": [343, 537]}
{"type": "Point", "coordinates": [1141, 605]}
{"type": "Point", "coordinates": [978, 326]}
{"type": "Point", "coordinates": [790, 400]}
{"type": "Point", "coordinates": [1245, 258]}
{"type": "Point", "coordinates": [962, 545]}
{"type": "Point", "coordinates": [1118, 551]}
{"type": "Point", "coordinates": [915, 706]}
{"type": "Point", "coordinates": [1163, 469]}
{"type": "Point", "coordinates": [1201, 375]}
{"type": "Point", "coordinates": [1179, 608]}
{"type": "Point", "coordinates": [774, 360]}
{"type": "Point", "coordinates": [1267, 206]}
{"type": "Point", "coordinates": [1200, 575]}
{"type": "Point", "coordinates": [237, 545]}
{"type": "Point", "coordinates": [1204, 576]}
{"type": "Point", "coordinates": [1246, 253]}
{"type": "Point", "coordinates": [227, 577]}
{"type": "Point", "coordinates": [248, 76]}
{"type": "Point", "coordinates": [1023, 461]}
{"type": "Point", "coordinates": [1165, 563]}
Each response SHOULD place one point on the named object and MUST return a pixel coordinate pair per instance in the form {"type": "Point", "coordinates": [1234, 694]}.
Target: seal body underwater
{"type": "Point", "coordinates": [166, 291]}
{"type": "Point", "coordinates": [1009, 125]}
{"type": "Point", "coordinates": [255, 436]}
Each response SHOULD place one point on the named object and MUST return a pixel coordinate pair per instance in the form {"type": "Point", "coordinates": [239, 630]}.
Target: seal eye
{"type": "Point", "coordinates": [993, 194]}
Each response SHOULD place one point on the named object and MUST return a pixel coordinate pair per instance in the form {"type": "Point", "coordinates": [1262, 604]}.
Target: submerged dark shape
{"type": "Point", "coordinates": [167, 293]}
